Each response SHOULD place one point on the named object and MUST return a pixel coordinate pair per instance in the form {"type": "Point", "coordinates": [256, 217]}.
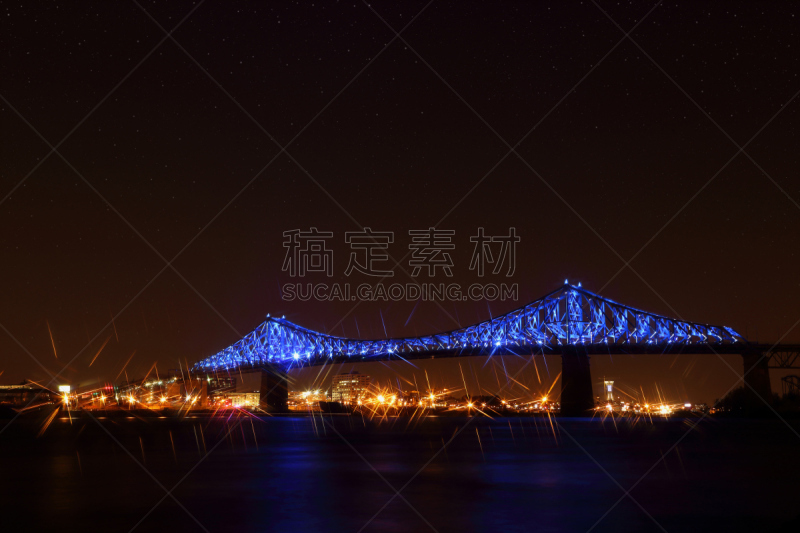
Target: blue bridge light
{"type": "Point", "coordinates": [568, 316]}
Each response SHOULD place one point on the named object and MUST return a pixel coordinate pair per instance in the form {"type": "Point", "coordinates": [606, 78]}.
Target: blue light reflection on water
{"type": "Point", "coordinates": [297, 474]}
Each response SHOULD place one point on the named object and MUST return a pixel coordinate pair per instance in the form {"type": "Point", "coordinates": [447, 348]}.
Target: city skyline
{"type": "Point", "coordinates": [646, 199]}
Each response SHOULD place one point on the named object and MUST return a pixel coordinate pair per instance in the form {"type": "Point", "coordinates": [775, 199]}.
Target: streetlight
{"type": "Point", "coordinates": [65, 389]}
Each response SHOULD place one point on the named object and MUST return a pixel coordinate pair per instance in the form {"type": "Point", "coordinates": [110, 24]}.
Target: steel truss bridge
{"type": "Point", "coordinates": [568, 316]}
{"type": "Point", "coordinates": [570, 321]}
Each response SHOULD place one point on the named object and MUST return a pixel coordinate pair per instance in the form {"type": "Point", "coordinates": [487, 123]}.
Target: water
{"type": "Point", "coordinates": [303, 474]}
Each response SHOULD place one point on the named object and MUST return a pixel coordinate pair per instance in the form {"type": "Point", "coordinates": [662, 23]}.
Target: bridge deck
{"type": "Point", "coordinates": [781, 355]}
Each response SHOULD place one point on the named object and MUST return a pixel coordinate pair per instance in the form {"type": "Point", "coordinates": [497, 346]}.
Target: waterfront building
{"type": "Point", "coordinates": [350, 387]}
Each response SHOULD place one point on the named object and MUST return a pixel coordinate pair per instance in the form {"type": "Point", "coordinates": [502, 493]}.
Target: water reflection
{"type": "Point", "coordinates": [339, 474]}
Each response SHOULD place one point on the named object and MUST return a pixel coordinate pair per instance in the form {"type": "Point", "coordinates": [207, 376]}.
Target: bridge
{"type": "Point", "coordinates": [570, 321]}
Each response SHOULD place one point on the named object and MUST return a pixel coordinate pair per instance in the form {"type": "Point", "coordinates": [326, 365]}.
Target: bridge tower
{"type": "Point", "coordinates": [577, 397]}
{"type": "Point", "coordinates": [274, 390]}
{"type": "Point", "coordinates": [756, 377]}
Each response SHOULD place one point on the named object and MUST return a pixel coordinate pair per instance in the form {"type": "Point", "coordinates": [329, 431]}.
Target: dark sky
{"type": "Point", "coordinates": [167, 143]}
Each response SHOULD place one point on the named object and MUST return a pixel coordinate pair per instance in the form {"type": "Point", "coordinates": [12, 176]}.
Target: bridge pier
{"type": "Point", "coordinates": [274, 390]}
{"type": "Point", "coordinates": [577, 397]}
{"type": "Point", "coordinates": [756, 368]}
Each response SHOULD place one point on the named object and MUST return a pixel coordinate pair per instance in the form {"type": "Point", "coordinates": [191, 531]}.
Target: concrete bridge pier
{"type": "Point", "coordinates": [274, 390]}
{"type": "Point", "coordinates": [756, 368]}
{"type": "Point", "coordinates": [577, 397]}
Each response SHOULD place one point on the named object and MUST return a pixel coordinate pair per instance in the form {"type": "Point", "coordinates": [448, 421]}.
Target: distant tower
{"type": "Point", "coordinates": [609, 385]}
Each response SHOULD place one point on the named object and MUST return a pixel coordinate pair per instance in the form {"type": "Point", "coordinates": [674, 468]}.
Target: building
{"type": "Point", "coordinates": [241, 399]}
{"type": "Point", "coordinates": [175, 392]}
{"type": "Point", "coordinates": [26, 394]}
{"type": "Point", "coordinates": [349, 388]}
{"type": "Point", "coordinates": [609, 386]}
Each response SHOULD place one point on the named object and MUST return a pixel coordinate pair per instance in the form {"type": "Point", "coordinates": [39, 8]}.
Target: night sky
{"type": "Point", "coordinates": [171, 151]}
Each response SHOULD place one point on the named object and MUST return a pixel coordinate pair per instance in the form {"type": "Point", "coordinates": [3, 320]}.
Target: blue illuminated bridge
{"type": "Point", "coordinates": [570, 321]}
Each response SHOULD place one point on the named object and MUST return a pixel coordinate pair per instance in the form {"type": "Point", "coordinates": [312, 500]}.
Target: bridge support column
{"type": "Point", "coordinates": [756, 368]}
{"type": "Point", "coordinates": [577, 397]}
{"type": "Point", "coordinates": [274, 390]}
